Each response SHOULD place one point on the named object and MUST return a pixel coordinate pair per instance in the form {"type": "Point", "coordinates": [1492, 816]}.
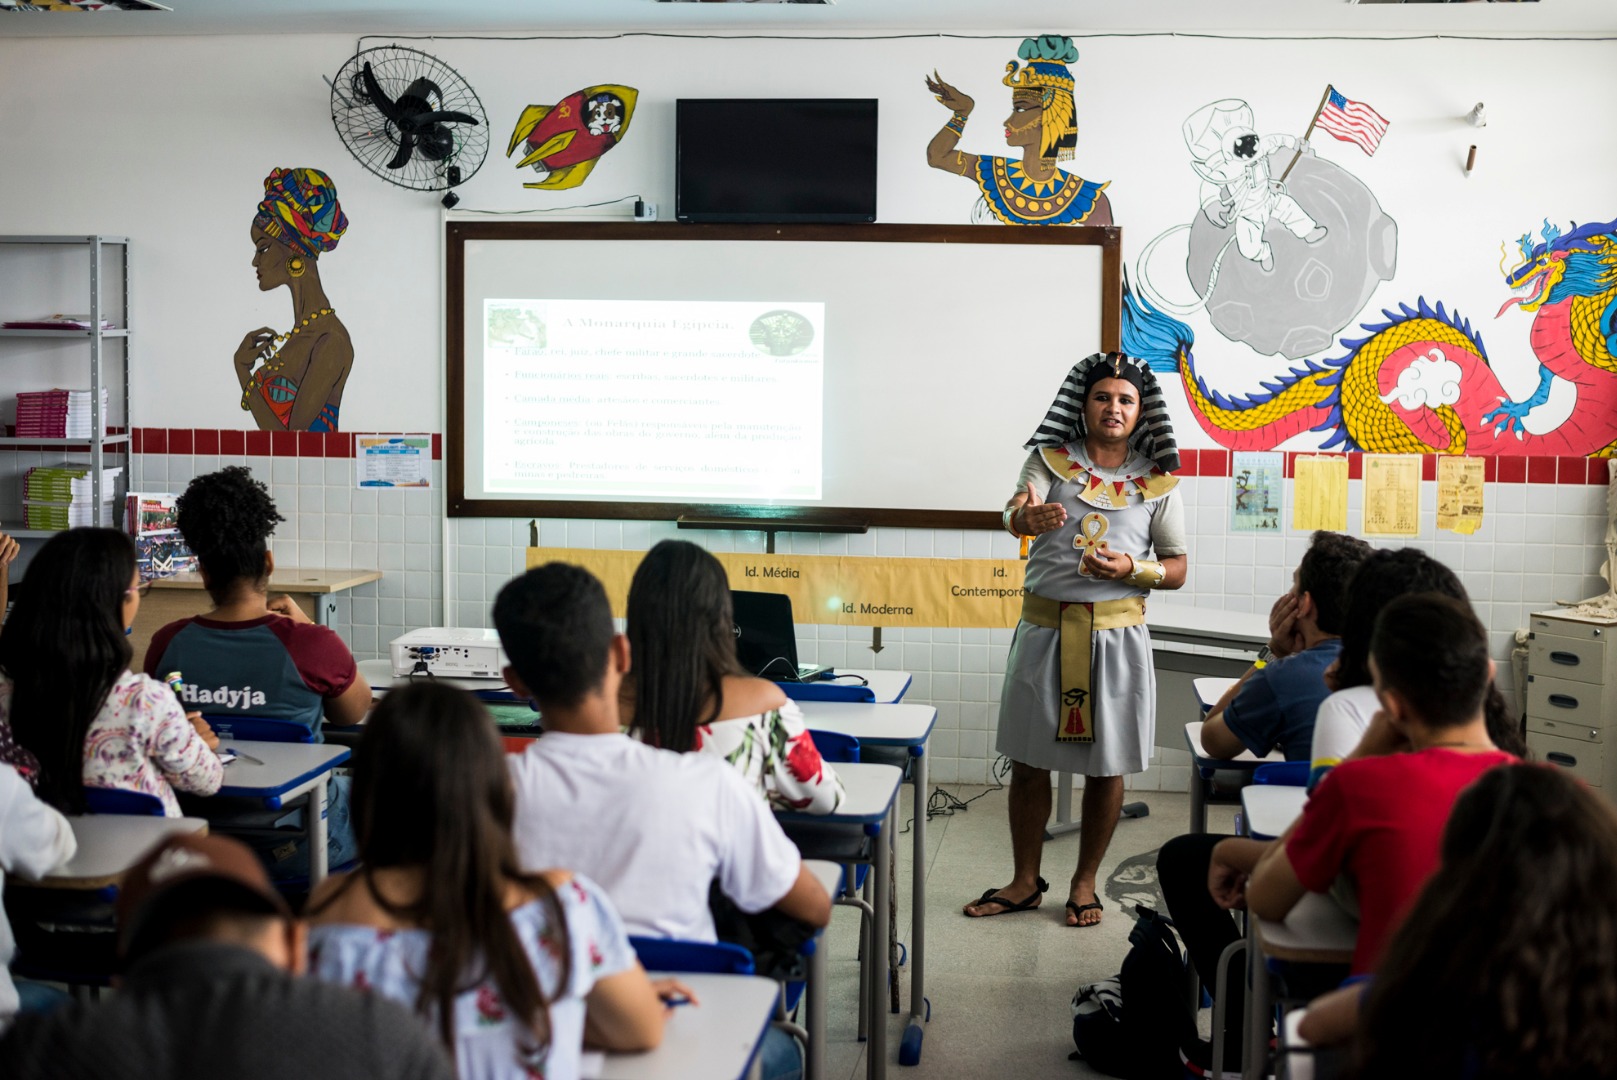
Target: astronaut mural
{"type": "Point", "coordinates": [564, 141]}
{"type": "Point", "coordinates": [1286, 246]}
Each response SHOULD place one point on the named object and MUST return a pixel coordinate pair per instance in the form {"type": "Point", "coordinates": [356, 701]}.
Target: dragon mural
{"type": "Point", "coordinates": [1421, 381]}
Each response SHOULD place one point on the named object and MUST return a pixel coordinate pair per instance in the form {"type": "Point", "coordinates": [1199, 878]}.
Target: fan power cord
{"type": "Point", "coordinates": [945, 803]}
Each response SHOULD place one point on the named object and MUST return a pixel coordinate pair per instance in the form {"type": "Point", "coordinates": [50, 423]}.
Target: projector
{"type": "Point", "coordinates": [449, 651]}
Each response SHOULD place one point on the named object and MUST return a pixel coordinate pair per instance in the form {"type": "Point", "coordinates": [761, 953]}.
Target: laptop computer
{"type": "Point", "coordinates": [766, 641]}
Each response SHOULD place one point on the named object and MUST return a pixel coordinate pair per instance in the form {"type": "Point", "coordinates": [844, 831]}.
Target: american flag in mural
{"type": "Point", "coordinates": [1352, 121]}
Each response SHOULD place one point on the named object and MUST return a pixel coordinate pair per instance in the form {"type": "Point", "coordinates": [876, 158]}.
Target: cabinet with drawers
{"type": "Point", "coordinates": [1572, 694]}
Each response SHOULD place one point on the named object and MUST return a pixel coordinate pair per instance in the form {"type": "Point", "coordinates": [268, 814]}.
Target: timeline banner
{"type": "Point", "coordinates": [845, 590]}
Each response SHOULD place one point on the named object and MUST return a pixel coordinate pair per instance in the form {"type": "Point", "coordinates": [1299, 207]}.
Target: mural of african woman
{"type": "Point", "coordinates": [294, 381]}
{"type": "Point", "coordinates": [1044, 123]}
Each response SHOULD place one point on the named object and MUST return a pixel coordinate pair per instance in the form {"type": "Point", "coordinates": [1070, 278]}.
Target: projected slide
{"type": "Point", "coordinates": [711, 401]}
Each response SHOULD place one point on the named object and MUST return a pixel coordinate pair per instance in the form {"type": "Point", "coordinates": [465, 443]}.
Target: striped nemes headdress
{"type": "Point", "coordinates": [1064, 422]}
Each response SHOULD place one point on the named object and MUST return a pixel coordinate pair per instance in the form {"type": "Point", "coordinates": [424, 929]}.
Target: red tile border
{"type": "Point", "coordinates": [1428, 467]}
{"type": "Point", "coordinates": [1598, 471]}
{"type": "Point", "coordinates": [258, 444]}
{"type": "Point", "coordinates": [232, 443]}
{"type": "Point", "coordinates": [283, 444]}
{"type": "Point", "coordinates": [180, 440]}
{"type": "Point", "coordinates": [207, 441]}
{"type": "Point", "coordinates": [1490, 469]}
{"type": "Point", "coordinates": [156, 441]}
{"type": "Point", "coordinates": [1512, 469]}
{"type": "Point", "coordinates": [1572, 470]}
{"type": "Point", "coordinates": [1355, 466]}
{"type": "Point", "coordinates": [311, 444]}
{"type": "Point", "coordinates": [1541, 470]}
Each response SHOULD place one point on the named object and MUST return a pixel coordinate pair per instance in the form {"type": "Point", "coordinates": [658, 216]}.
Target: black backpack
{"type": "Point", "coordinates": [1133, 1024]}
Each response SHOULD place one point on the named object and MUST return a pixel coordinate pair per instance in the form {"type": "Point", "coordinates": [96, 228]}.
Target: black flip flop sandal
{"type": "Point", "coordinates": [1010, 906]}
{"type": "Point", "coordinates": [1078, 913]}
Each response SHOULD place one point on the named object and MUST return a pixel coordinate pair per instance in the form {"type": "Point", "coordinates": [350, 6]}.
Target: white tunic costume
{"type": "Point", "coordinates": [1138, 510]}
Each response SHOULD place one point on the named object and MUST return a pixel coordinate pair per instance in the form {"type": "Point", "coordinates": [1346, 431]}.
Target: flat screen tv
{"type": "Point", "coordinates": [784, 160]}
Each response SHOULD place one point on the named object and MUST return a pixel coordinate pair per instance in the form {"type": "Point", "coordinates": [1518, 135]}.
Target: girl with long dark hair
{"type": "Point", "coordinates": [67, 690]}
{"type": "Point", "coordinates": [687, 691]}
{"type": "Point", "coordinates": [1506, 965]}
{"type": "Point", "coordinates": [514, 970]}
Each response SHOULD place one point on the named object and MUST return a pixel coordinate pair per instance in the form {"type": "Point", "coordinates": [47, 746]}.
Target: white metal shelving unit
{"type": "Point", "coordinates": [100, 443]}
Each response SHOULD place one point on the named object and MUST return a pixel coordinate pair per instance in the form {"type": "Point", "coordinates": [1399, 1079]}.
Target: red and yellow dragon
{"type": "Point", "coordinates": [1421, 382]}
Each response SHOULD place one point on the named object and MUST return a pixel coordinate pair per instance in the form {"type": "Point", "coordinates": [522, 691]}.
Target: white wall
{"type": "Point", "coordinates": [168, 140]}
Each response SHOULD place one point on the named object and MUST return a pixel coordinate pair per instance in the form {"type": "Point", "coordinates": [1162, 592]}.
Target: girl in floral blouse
{"type": "Point", "coordinates": [687, 691]}
{"type": "Point", "coordinates": [514, 970]}
{"type": "Point", "coordinates": [68, 694]}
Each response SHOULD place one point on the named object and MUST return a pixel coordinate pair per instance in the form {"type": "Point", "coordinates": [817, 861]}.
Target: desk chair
{"type": "Point", "coordinates": [112, 801]}
{"type": "Point", "coordinates": [1282, 774]}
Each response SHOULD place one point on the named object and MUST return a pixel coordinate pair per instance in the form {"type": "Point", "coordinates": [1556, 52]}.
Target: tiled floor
{"type": "Point", "coordinates": [1000, 988]}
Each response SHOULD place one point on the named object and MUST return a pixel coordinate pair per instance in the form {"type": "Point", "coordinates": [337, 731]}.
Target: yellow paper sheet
{"type": "Point", "coordinates": [1320, 493]}
{"type": "Point", "coordinates": [1459, 494]}
{"type": "Point", "coordinates": [1392, 494]}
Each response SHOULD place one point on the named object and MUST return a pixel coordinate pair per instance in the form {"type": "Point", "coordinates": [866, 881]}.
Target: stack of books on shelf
{"type": "Point", "coordinates": [55, 322]}
{"type": "Point", "coordinates": [160, 550]}
{"type": "Point", "coordinates": [59, 496]}
{"type": "Point", "coordinates": [58, 414]}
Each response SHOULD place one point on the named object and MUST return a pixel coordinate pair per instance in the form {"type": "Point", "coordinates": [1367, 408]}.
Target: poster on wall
{"type": "Point", "coordinates": [565, 141]}
{"type": "Point", "coordinates": [1255, 492]}
{"type": "Point", "coordinates": [393, 461]}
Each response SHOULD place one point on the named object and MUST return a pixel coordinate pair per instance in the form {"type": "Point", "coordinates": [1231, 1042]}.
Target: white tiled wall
{"type": "Point", "coordinates": [1538, 543]}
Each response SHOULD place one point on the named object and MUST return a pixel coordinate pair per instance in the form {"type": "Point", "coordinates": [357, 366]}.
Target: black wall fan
{"type": "Point", "coordinates": [410, 118]}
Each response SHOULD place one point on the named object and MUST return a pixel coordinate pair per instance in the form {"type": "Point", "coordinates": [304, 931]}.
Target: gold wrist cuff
{"type": "Point", "coordinates": [1148, 574]}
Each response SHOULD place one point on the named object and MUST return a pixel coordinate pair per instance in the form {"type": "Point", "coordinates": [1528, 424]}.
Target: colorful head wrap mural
{"type": "Point", "coordinates": [300, 210]}
{"type": "Point", "coordinates": [1064, 423]}
{"type": "Point", "coordinates": [1046, 75]}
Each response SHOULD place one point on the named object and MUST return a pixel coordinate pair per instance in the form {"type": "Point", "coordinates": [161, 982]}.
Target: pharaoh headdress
{"type": "Point", "coordinates": [1046, 74]}
{"type": "Point", "coordinates": [1064, 422]}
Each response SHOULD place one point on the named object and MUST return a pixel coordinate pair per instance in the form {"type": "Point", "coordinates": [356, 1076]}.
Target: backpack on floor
{"type": "Point", "coordinates": [1133, 1024]}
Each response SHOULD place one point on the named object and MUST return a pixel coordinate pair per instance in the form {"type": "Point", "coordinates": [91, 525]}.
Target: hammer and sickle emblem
{"type": "Point", "coordinates": [564, 111]}
{"type": "Point", "coordinates": [1091, 535]}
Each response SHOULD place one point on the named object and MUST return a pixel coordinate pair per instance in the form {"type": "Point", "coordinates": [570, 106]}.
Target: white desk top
{"type": "Point", "coordinates": [1193, 738]}
{"type": "Point", "coordinates": [1317, 931]}
{"type": "Point", "coordinates": [1269, 809]}
{"type": "Point", "coordinates": [711, 1041]}
{"type": "Point", "coordinates": [1209, 689]}
{"type": "Point", "coordinates": [282, 769]}
{"type": "Point", "coordinates": [880, 725]}
{"type": "Point", "coordinates": [870, 789]}
{"type": "Point", "coordinates": [1206, 626]}
{"type": "Point", "coordinates": [882, 687]}
{"type": "Point", "coordinates": [109, 844]}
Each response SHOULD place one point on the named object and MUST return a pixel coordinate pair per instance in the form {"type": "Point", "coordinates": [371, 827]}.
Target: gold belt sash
{"type": "Point", "coordinates": [1077, 624]}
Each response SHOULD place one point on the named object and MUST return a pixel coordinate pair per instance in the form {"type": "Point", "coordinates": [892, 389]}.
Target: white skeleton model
{"type": "Point", "coordinates": [1604, 606]}
{"type": "Point", "coordinates": [1232, 157]}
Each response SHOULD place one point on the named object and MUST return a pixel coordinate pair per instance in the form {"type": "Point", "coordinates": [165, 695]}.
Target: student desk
{"type": "Point", "coordinates": [182, 596]}
{"type": "Point", "coordinates": [907, 726]}
{"type": "Point", "coordinates": [281, 773]}
{"type": "Point", "coordinates": [881, 687]}
{"type": "Point", "coordinates": [109, 844]}
{"type": "Point", "coordinates": [829, 875]}
{"type": "Point", "coordinates": [1203, 767]}
{"type": "Point", "coordinates": [1269, 809]}
{"type": "Point", "coordinates": [871, 791]}
{"type": "Point", "coordinates": [1317, 931]}
{"type": "Point", "coordinates": [715, 1040]}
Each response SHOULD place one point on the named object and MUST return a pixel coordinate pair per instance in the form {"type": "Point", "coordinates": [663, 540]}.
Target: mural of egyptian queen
{"type": "Point", "coordinates": [294, 381]}
{"type": "Point", "coordinates": [1043, 122]}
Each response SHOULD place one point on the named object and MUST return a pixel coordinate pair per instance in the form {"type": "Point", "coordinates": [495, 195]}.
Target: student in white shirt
{"type": "Point", "coordinates": [34, 840]}
{"type": "Point", "coordinates": [652, 827]}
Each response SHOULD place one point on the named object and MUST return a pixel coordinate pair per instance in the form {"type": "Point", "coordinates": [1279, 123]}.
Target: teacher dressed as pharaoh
{"type": "Point", "coordinates": [294, 381]}
{"type": "Point", "coordinates": [1044, 123]}
{"type": "Point", "coordinates": [1107, 523]}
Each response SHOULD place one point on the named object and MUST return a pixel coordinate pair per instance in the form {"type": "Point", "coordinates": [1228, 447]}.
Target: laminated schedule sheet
{"type": "Point", "coordinates": [1459, 494]}
{"type": "Point", "coordinates": [1320, 493]}
{"type": "Point", "coordinates": [1392, 494]}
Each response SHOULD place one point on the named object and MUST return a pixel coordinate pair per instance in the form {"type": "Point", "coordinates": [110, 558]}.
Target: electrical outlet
{"type": "Point", "coordinates": [646, 211]}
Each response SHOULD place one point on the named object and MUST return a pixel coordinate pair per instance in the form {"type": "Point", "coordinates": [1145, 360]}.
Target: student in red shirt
{"type": "Point", "coordinates": [1378, 818]}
